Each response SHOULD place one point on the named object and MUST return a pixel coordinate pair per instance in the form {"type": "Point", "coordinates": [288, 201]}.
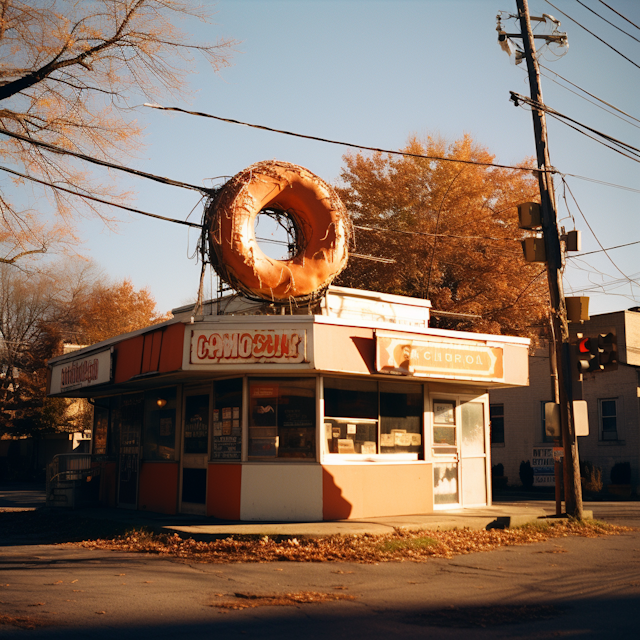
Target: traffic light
{"type": "Point", "coordinates": [599, 353]}
{"type": "Point", "coordinates": [608, 345]}
{"type": "Point", "coordinates": [588, 354]}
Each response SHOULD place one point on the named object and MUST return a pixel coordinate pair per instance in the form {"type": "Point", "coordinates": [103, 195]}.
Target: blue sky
{"type": "Point", "coordinates": [373, 73]}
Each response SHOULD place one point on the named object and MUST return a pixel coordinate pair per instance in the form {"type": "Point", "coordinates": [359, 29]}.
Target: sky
{"type": "Point", "coordinates": [374, 72]}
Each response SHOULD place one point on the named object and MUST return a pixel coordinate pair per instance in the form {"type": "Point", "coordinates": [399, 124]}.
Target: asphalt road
{"type": "Point", "coordinates": [571, 587]}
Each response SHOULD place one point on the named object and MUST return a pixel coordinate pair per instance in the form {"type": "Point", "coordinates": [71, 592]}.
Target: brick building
{"type": "Point", "coordinates": [613, 400]}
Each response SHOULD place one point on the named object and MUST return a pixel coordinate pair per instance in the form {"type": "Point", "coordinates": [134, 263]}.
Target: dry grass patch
{"type": "Point", "coordinates": [251, 600]}
{"type": "Point", "coordinates": [364, 548]}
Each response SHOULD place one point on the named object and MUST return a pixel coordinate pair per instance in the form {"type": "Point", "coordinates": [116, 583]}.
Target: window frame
{"type": "Point", "coordinates": [501, 443]}
{"type": "Point", "coordinates": [382, 387]}
{"type": "Point", "coordinates": [277, 380]}
{"type": "Point", "coordinates": [617, 417]}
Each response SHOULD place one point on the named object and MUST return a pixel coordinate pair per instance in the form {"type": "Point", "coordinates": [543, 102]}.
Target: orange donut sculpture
{"type": "Point", "coordinates": [322, 228]}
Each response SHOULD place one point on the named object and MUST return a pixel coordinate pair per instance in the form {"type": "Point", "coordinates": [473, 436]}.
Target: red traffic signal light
{"type": "Point", "coordinates": [588, 355]}
{"type": "Point", "coordinates": [599, 353]}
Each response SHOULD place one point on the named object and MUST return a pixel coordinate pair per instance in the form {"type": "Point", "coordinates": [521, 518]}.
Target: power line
{"type": "Point", "coordinates": [624, 113]}
{"type": "Point", "coordinates": [615, 26]}
{"type": "Point", "coordinates": [104, 163]}
{"type": "Point", "coordinates": [100, 200]}
{"type": "Point", "coordinates": [594, 35]}
{"type": "Point", "coordinates": [598, 240]}
{"type": "Point", "coordinates": [344, 144]}
{"type": "Point", "coordinates": [618, 246]}
{"type": "Point", "coordinates": [623, 17]}
{"type": "Point", "coordinates": [517, 98]}
{"type": "Point", "coordinates": [424, 233]}
{"type": "Point", "coordinates": [602, 182]}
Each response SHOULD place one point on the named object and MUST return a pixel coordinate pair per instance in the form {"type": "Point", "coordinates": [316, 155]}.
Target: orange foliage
{"type": "Point", "coordinates": [69, 75]}
{"type": "Point", "coordinates": [469, 259]}
{"type": "Point", "coordinates": [107, 310]}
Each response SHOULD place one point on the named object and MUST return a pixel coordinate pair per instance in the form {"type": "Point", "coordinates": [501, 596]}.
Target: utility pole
{"type": "Point", "coordinates": [560, 333]}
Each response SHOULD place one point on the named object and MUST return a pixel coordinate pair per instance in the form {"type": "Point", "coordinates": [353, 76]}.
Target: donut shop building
{"type": "Point", "coordinates": [351, 408]}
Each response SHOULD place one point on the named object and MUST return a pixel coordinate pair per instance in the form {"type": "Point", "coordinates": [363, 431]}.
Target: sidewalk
{"type": "Point", "coordinates": [500, 515]}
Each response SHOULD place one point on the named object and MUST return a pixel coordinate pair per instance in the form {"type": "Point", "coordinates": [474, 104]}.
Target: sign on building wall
{"type": "Point", "coordinates": [427, 357]}
{"type": "Point", "coordinates": [543, 469]}
{"type": "Point", "coordinates": [250, 346]}
{"type": "Point", "coordinates": [81, 372]}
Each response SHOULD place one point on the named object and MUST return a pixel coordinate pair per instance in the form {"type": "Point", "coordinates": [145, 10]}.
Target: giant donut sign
{"type": "Point", "coordinates": [322, 232]}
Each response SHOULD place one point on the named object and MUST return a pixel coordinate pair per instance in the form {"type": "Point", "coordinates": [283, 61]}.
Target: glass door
{"type": "Point", "coordinates": [195, 451]}
{"type": "Point", "coordinates": [473, 452]}
{"type": "Point", "coordinates": [129, 416]}
{"type": "Point", "coordinates": [446, 481]}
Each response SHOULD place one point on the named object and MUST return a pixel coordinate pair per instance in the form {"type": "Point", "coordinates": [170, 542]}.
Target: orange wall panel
{"type": "Point", "coordinates": [368, 491]}
{"type": "Point", "coordinates": [224, 482]}
{"type": "Point", "coordinates": [128, 359]}
{"type": "Point", "coordinates": [158, 488]}
{"type": "Point", "coordinates": [172, 346]}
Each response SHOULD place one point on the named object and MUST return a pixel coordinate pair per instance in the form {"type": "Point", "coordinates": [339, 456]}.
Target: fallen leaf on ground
{"type": "Point", "coordinates": [22, 622]}
{"type": "Point", "coordinates": [365, 548]}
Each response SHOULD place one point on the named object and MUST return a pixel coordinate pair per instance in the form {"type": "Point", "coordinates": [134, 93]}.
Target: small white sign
{"type": "Point", "coordinates": [84, 371]}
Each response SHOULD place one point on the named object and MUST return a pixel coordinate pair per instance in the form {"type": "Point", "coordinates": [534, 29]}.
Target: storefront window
{"type": "Point", "coordinates": [401, 411]}
{"type": "Point", "coordinates": [159, 436]}
{"type": "Point", "coordinates": [100, 426]}
{"type": "Point", "coordinates": [364, 418]}
{"type": "Point", "coordinates": [227, 420]}
{"type": "Point", "coordinates": [351, 416]}
{"type": "Point", "coordinates": [282, 418]}
{"type": "Point", "coordinates": [196, 423]}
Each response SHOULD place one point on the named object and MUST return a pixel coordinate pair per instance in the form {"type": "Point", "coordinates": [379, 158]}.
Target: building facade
{"type": "Point", "coordinates": [613, 401]}
{"type": "Point", "coordinates": [353, 409]}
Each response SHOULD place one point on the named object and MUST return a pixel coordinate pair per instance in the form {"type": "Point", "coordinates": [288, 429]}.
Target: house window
{"type": "Point", "coordinates": [609, 418]}
{"type": "Point", "coordinates": [282, 418]}
{"type": "Point", "coordinates": [364, 417]}
{"type": "Point", "coordinates": [496, 414]}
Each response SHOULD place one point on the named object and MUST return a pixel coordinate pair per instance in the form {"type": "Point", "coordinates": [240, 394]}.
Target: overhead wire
{"type": "Point", "coordinates": [618, 246]}
{"type": "Point", "coordinates": [338, 142]}
{"type": "Point", "coordinates": [634, 282]}
{"type": "Point", "coordinates": [594, 35]}
{"type": "Point", "coordinates": [588, 93]}
{"type": "Point", "coordinates": [628, 148]}
{"type": "Point", "coordinates": [595, 104]}
{"type": "Point", "coordinates": [623, 17]}
{"type": "Point", "coordinates": [100, 200]}
{"type": "Point", "coordinates": [141, 174]}
{"type": "Point", "coordinates": [615, 26]}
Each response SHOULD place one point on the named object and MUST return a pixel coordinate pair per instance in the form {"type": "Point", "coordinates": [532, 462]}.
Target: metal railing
{"type": "Point", "coordinates": [71, 466]}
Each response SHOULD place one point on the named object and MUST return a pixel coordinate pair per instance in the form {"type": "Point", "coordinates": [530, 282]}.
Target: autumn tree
{"type": "Point", "coordinates": [39, 314]}
{"type": "Point", "coordinates": [71, 74]}
{"type": "Point", "coordinates": [452, 229]}
{"type": "Point", "coordinates": [109, 310]}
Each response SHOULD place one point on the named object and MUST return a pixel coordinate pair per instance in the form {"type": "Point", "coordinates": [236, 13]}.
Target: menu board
{"type": "Point", "coordinates": [227, 434]}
